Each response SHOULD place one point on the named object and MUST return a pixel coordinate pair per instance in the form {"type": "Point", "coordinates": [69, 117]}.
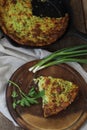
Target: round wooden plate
{"type": "Point", "coordinates": [31, 118]}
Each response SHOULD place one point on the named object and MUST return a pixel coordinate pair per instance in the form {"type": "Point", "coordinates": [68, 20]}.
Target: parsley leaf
{"type": "Point", "coordinates": [22, 99]}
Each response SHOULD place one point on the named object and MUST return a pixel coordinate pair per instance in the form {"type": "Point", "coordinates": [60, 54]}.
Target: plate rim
{"type": "Point", "coordinates": [21, 122]}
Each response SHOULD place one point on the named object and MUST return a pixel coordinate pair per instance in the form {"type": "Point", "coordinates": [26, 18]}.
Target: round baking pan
{"type": "Point", "coordinates": [56, 8]}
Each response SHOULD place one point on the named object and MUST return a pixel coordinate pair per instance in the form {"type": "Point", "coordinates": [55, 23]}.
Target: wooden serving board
{"type": "Point", "coordinates": [31, 118]}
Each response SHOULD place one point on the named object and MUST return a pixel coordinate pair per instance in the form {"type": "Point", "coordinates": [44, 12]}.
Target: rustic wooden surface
{"type": "Point", "coordinates": [80, 21]}
{"type": "Point", "coordinates": [84, 2]}
{"type": "Point", "coordinates": [79, 24]}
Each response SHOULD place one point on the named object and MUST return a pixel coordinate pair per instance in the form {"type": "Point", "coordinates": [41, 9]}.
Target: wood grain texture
{"type": "Point", "coordinates": [78, 15]}
{"type": "Point", "coordinates": [32, 118]}
{"type": "Point", "coordinates": [85, 11]}
{"type": "Point", "coordinates": [78, 22]}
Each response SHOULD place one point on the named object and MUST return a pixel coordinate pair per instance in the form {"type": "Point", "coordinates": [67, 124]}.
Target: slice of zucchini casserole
{"type": "Point", "coordinates": [59, 94]}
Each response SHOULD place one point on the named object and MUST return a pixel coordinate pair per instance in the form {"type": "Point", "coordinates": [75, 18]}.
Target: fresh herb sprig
{"type": "Point", "coordinates": [72, 54]}
{"type": "Point", "coordinates": [22, 99]}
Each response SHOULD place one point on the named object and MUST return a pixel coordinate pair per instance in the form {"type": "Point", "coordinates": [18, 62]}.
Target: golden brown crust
{"type": "Point", "coordinates": [40, 37]}
{"type": "Point", "coordinates": [52, 109]}
{"type": "Point", "coordinates": [59, 94]}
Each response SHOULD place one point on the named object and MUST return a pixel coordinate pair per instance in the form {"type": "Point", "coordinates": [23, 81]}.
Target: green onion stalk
{"type": "Point", "coordinates": [71, 54]}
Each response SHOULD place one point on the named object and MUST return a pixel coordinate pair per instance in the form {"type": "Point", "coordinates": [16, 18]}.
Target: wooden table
{"type": "Point", "coordinates": [80, 22]}
{"type": "Point", "coordinates": [85, 11]}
